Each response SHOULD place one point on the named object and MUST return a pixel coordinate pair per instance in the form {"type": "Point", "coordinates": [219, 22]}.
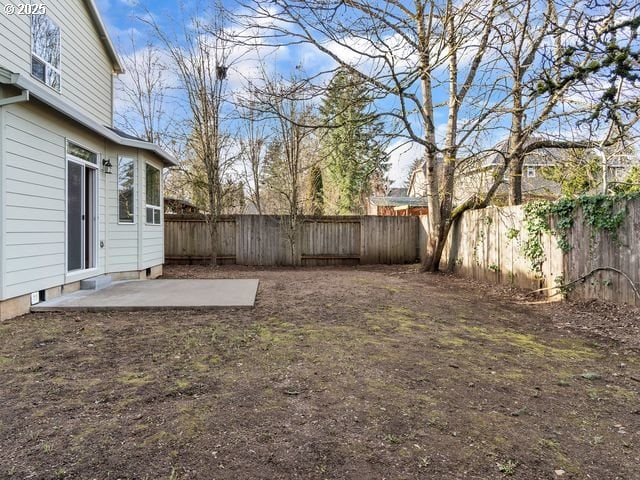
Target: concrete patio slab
{"type": "Point", "coordinates": [158, 295]}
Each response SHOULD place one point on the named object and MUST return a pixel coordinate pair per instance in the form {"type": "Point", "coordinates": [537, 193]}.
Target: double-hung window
{"type": "Point", "coordinates": [153, 195]}
{"type": "Point", "coordinates": [45, 50]}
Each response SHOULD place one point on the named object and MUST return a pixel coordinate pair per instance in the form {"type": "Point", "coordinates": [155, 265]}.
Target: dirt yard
{"type": "Point", "coordinates": [338, 373]}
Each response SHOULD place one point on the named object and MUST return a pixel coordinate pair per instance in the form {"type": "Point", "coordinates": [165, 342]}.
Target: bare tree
{"type": "Point", "coordinates": [286, 107]}
{"type": "Point", "coordinates": [143, 92]}
{"type": "Point", "coordinates": [555, 67]}
{"type": "Point", "coordinates": [252, 143]}
{"type": "Point", "coordinates": [200, 55]}
{"type": "Point", "coordinates": [485, 65]}
{"type": "Point", "coordinates": [408, 52]}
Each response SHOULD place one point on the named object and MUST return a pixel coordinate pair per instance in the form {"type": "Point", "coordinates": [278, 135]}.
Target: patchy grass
{"type": "Point", "coordinates": [337, 373]}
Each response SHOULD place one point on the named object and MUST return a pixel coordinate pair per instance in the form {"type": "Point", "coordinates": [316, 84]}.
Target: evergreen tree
{"type": "Point", "coordinates": [351, 145]}
{"type": "Point", "coordinates": [316, 191]}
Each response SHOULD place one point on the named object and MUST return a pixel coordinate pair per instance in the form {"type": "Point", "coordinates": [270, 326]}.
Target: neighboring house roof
{"type": "Point", "coordinates": [104, 36]}
{"type": "Point", "coordinates": [538, 158]}
{"type": "Point", "coordinates": [250, 208]}
{"type": "Point", "coordinates": [179, 205]}
{"type": "Point", "coordinates": [398, 201]}
{"type": "Point", "coordinates": [49, 98]}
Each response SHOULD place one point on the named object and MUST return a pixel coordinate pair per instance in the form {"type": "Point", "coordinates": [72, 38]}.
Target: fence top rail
{"type": "Point", "coordinates": [198, 217]}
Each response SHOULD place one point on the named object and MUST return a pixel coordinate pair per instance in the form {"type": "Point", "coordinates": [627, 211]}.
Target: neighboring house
{"type": "Point", "coordinates": [79, 198]}
{"type": "Point", "coordinates": [476, 179]}
{"type": "Point", "coordinates": [396, 203]}
{"type": "Point", "coordinates": [179, 206]}
{"type": "Point", "coordinates": [534, 185]}
{"type": "Point", "coordinates": [418, 182]}
{"type": "Point", "coordinates": [397, 206]}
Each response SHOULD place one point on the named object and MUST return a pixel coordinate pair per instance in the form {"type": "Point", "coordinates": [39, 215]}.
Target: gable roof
{"type": "Point", "coordinates": [104, 35]}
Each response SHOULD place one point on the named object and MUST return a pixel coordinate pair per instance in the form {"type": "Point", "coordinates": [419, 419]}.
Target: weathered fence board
{"type": "Point", "coordinates": [388, 239]}
{"type": "Point", "coordinates": [330, 241]}
{"type": "Point", "coordinates": [263, 240]}
{"type": "Point", "coordinates": [483, 244]}
{"type": "Point", "coordinates": [260, 240]}
{"type": "Point", "coordinates": [488, 244]}
{"type": "Point", "coordinates": [187, 239]}
{"type": "Point", "coordinates": [592, 249]}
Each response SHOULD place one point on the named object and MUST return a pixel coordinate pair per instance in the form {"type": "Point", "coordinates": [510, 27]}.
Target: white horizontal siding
{"type": "Point", "coordinates": [27, 188]}
{"type": "Point", "coordinates": [26, 144]}
{"type": "Point", "coordinates": [15, 40]}
{"type": "Point", "coordinates": [24, 162]}
{"type": "Point", "coordinates": [34, 211]}
{"type": "Point", "coordinates": [86, 69]}
{"type": "Point", "coordinates": [18, 251]}
{"type": "Point", "coordinates": [153, 245]}
{"type": "Point", "coordinates": [33, 200]}
{"type": "Point", "coordinates": [35, 204]}
{"type": "Point", "coordinates": [123, 238]}
{"type": "Point", "coordinates": [42, 237]}
{"type": "Point", "coordinates": [152, 236]}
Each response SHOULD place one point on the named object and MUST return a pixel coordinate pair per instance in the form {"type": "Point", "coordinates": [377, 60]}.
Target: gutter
{"type": "Point", "coordinates": [31, 89]}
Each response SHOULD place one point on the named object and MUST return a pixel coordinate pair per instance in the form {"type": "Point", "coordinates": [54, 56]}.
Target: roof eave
{"type": "Point", "coordinates": [104, 36]}
{"type": "Point", "coordinates": [69, 111]}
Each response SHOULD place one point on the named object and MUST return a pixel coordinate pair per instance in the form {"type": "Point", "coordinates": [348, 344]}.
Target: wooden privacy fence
{"type": "Point", "coordinates": [262, 240]}
{"type": "Point", "coordinates": [488, 245]}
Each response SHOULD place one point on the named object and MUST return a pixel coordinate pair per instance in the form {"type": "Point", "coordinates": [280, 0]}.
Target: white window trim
{"type": "Point", "coordinates": [155, 207]}
{"type": "Point", "coordinates": [135, 190]}
{"type": "Point", "coordinates": [73, 275]}
{"type": "Point", "coordinates": [47, 64]}
{"type": "Point", "coordinates": [531, 171]}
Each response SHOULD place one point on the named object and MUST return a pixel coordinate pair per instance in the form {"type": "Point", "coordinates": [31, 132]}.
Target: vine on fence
{"type": "Point", "coordinates": [600, 212]}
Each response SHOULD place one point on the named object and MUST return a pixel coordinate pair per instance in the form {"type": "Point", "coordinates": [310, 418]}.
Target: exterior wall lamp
{"type": "Point", "coordinates": [107, 167]}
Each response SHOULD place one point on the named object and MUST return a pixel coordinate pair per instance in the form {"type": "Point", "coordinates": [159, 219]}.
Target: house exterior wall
{"type": "Point", "coordinates": [138, 245]}
{"type": "Point", "coordinates": [33, 173]}
{"type": "Point", "coordinates": [418, 185]}
{"type": "Point", "coordinates": [152, 236]}
{"type": "Point", "coordinates": [34, 187]}
{"type": "Point", "coordinates": [86, 69]}
{"type": "Point", "coordinates": [479, 181]}
{"type": "Point", "coordinates": [122, 238]}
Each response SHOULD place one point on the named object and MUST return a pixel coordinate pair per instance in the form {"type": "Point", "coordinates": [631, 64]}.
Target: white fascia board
{"type": "Point", "coordinates": [64, 108]}
{"type": "Point", "coordinates": [104, 36]}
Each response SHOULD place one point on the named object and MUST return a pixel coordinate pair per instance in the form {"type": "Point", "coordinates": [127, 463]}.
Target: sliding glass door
{"type": "Point", "coordinates": [81, 213]}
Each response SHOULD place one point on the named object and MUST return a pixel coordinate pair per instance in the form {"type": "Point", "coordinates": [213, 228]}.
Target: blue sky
{"type": "Point", "coordinates": [120, 17]}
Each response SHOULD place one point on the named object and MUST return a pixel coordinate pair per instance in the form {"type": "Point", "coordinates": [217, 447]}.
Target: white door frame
{"type": "Point", "coordinates": [91, 243]}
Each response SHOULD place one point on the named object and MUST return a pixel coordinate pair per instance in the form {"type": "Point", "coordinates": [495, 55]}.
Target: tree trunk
{"type": "Point", "coordinates": [213, 236]}
{"type": "Point", "coordinates": [515, 181]}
